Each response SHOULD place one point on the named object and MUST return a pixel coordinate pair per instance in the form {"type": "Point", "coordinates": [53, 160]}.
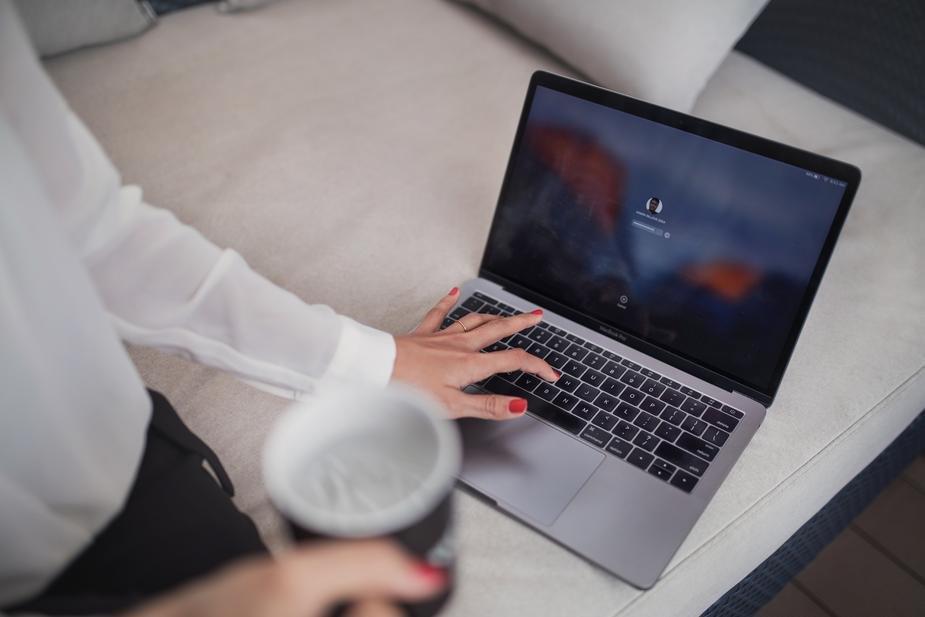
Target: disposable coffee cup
{"type": "Point", "coordinates": [369, 463]}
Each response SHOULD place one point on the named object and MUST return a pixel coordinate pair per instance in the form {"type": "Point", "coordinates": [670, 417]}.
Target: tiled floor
{"type": "Point", "coordinates": [875, 568]}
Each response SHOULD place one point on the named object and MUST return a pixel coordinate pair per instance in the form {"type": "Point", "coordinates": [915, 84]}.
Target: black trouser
{"type": "Point", "coordinates": [177, 524]}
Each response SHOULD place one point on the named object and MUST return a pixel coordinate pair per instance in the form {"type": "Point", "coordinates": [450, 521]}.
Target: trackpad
{"type": "Point", "coordinates": [527, 465]}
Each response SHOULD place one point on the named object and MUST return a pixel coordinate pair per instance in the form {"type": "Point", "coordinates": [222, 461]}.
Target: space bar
{"type": "Point", "coordinates": [537, 406]}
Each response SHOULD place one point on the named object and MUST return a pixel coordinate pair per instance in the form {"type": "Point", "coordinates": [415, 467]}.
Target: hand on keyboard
{"type": "Point", "coordinates": [442, 362]}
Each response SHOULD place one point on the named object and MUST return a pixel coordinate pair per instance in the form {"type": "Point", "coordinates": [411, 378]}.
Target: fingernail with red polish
{"type": "Point", "coordinates": [453, 291]}
{"type": "Point", "coordinates": [518, 405]}
{"type": "Point", "coordinates": [536, 312]}
{"type": "Point", "coordinates": [432, 574]}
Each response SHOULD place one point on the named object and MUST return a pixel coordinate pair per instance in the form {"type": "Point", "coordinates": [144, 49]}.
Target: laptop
{"type": "Point", "coordinates": [675, 260]}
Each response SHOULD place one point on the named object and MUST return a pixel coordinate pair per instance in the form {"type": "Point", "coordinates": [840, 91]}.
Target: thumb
{"type": "Point", "coordinates": [363, 569]}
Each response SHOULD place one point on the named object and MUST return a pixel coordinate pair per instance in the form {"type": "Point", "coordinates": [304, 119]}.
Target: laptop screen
{"type": "Point", "coordinates": [695, 246]}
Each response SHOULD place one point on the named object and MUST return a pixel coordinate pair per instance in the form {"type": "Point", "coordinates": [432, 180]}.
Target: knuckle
{"type": "Point", "coordinates": [493, 405]}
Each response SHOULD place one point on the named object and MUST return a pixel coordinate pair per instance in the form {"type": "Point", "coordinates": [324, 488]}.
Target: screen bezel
{"type": "Point", "coordinates": [851, 175]}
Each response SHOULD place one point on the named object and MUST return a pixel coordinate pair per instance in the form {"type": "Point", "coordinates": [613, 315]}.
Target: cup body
{"type": "Point", "coordinates": [324, 439]}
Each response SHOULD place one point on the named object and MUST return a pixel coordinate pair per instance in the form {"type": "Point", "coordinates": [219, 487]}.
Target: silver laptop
{"type": "Point", "coordinates": [675, 260]}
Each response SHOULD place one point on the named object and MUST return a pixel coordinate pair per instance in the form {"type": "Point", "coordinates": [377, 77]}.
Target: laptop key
{"type": "Point", "coordinates": [646, 441]}
{"type": "Point", "coordinates": [485, 298]}
{"type": "Point", "coordinates": [612, 386]}
{"type": "Point", "coordinates": [631, 396]}
{"type": "Point", "coordinates": [584, 391]}
{"type": "Point", "coordinates": [614, 370]}
{"type": "Point", "coordinates": [507, 308]}
{"type": "Point", "coordinates": [640, 458]}
{"type": "Point", "coordinates": [595, 361]}
{"type": "Point", "coordinates": [652, 387]}
{"type": "Point", "coordinates": [626, 411]}
{"type": "Point", "coordinates": [567, 383]}
{"type": "Point", "coordinates": [693, 425]}
{"type": "Point", "coordinates": [673, 416]}
{"type": "Point", "coordinates": [670, 383]}
{"type": "Point", "coordinates": [619, 447]}
{"type": "Point", "coordinates": [575, 339]}
{"type": "Point", "coordinates": [537, 350]}
{"type": "Point", "coordinates": [473, 304]}
{"type": "Point", "coordinates": [605, 401]}
{"type": "Point", "coordinates": [629, 363]}
{"type": "Point", "coordinates": [612, 356]}
{"type": "Point", "coordinates": [565, 400]}
{"type": "Point", "coordinates": [684, 460]}
{"type": "Point", "coordinates": [632, 378]}
{"type": "Point", "coordinates": [712, 402]}
{"type": "Point", "coordinates": [732, 411]}
{"type": "Point", "coordinates": [624, 430]}
{"type": "Point", "coordinates": [695, 408]}
{"type": "Point", "coordinates": [592, 377]}
{"type": "Point", "coordinates": [490, 310]}
{"type": "Point", "coordinates": [575, 352]}
{"type": "Point", "coordinates": [520, 342]}
{"type": "Point", "coordinates": [672, 397]}
{"type": "Point", "coordinates": [593, 347]}
{"type": "Point", "coordinates": [716, 436]}
{"type": "Point", "coordinates": [556, 360]}
{"type": "Point", "coordinates": [651, 374]}
{"type": "Point", "coordinates": [596, 435]}
{"type": "Point", "coordinates": [690, 392]}
{"type": "Point", "coordinates": [527, 381]}
{"type": "Point", "coordinates": [660, 472]}
{"type": "Point", "coordinates": [697, 446]}
{"type": "Point", "coordinates": [458, 313]}
{"type": "Point", "coordinates": [499, 346]}
{"type": "Point", "coordinates": [447, 322]}
{"type": "Point", "coordinates": [604, 420]}
{"type": "Point", "coordinates": [574, 368]}
{"type": "Point", "coordinates": [557, 343]}
{"type": "Point", "coordinates": [720, 419]}
{"type": "Point", "coordinates": [652, 405]}
{"type": "Point", "coordinates": [584, 410]}
{"type": "Point", "coordinates": [646, 421]}
{"type": "Point", "coordinates": [546, 391]}
{"type": "Point", "coordinates": [540, 336]}
{"type": "Point", "coordinates": [667, 431]}
{"type": "Point", "coordinates": [684, 481]}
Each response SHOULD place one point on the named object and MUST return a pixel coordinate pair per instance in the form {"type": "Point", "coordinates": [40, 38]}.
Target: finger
{"type": "Point", "coordinates": [496, 330]}
{"type": "Point", "coordinates": [471, 322]}
{"type": "Point", "coordinates": [374, 608]}
{"type": "Point", "coordinates": [363, 569]}
{"type": "Point", "coordinates": [488, 364]}
{"type": "Point", "coordinates": [434, 317]}
{"type": "Point", "coordinates": [487, 406]}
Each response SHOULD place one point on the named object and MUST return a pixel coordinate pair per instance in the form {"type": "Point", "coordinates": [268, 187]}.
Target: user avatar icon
{"type": "Point", "coordinates": [654, 205]}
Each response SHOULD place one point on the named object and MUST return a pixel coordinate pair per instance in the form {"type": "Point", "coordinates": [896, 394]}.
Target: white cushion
{"type": "Point", "coordinates": [56, 27]}
{"type": "Point", "coordinates": [353, 152]}
{"type": "Point", "coordinates": [663, 51]}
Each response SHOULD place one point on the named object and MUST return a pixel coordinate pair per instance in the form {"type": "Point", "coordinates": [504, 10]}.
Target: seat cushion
{"type": "Point", "coordinates": [352, 151]}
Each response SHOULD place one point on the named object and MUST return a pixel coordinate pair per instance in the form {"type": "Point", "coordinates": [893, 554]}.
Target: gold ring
{"type": "Point", "coordinates": [462, 325]}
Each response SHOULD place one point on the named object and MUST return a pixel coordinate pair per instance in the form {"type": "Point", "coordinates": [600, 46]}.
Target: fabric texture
{"type": "Point", "coordinates": [662, 52]}
{"type": "Point", "coordinates": [177, 525]}
{"type": "Point", "coordinates": [867, 56]}
{"type": "Point", "coordinates": [56, 27]}
{"type": "Point", "coordinates": [372, 184]}
{"type": "Point", "coordinates": [83, 261]}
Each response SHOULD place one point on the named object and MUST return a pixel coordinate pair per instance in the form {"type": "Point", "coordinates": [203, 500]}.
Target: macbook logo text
{"type": "Point", "coordinates": [612, 333]}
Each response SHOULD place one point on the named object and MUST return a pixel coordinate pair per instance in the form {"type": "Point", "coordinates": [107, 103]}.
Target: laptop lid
{"type": "Point", "coordinates": [698, 244]}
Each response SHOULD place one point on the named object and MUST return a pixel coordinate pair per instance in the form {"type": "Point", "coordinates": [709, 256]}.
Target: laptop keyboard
{"type": "Point", "coordinates": [631, 412]}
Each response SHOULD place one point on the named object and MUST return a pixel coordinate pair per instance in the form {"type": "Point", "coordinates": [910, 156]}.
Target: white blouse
{"type": "Point", "coordinates": [84, 262]}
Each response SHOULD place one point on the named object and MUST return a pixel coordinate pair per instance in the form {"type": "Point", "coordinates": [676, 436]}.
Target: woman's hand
{"type": "Point", "coordinates": [306, 582]}
{"type": "Point", "coordinates": [442, 362]}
